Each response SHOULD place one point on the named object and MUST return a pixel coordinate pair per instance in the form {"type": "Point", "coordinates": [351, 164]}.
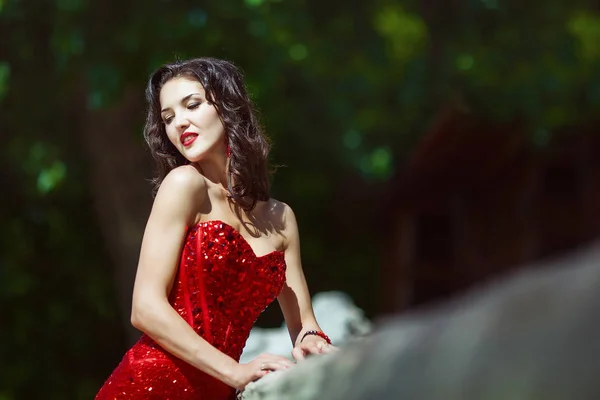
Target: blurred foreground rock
{"type": "Point", "coordinates": [532, 336]}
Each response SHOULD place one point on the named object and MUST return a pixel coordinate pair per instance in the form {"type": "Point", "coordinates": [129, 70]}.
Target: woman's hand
{"type": "Point", "coordinates": [243, 374]}
{"type": "Point", "coordinates": [312, 345]}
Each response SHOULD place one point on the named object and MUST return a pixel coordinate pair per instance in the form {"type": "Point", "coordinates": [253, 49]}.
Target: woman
{"type": "Point", "coordinates": [216, 249]}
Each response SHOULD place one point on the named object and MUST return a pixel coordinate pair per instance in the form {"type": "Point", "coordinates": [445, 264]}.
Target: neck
{"type": "Point", "coordinates": [215, 170]}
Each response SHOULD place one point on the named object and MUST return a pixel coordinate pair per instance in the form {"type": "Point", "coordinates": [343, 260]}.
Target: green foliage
{"type": "Point", "coordinates": [405, 32]}
{"type": "Point", "coordinates": [585, 28]}
{"type": "Point", "coordinates": [4, 77]}
{"type": "Point", "coordinates": [345, 90]}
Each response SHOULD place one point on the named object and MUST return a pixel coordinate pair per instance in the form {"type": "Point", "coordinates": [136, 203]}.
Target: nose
{"type": "Point", "coordinates": [181, 121]}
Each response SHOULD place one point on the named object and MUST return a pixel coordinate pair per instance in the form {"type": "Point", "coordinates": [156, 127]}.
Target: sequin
{"type": "Point", "coordinates": [220, 290]}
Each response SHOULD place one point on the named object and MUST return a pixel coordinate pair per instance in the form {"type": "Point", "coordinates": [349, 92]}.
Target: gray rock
{"type": "Point", "coordinates": [532, 336]}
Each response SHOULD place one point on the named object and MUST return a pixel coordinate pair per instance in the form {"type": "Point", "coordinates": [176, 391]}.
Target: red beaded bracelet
{"type": "Point", "coordinates": [316, 333]}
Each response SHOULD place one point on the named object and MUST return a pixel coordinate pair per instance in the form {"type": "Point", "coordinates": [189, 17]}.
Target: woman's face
{"type": "Point", "coordinates": [191, 122]}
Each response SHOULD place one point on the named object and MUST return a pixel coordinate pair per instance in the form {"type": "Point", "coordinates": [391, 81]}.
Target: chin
{"type": "Point", "coordinates": [202, 154]}
{"type": "Point", "coordinates": [195, 157]}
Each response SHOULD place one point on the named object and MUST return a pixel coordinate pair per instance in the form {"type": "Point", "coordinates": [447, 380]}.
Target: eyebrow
{"type": "Point", "coordinates": [183, 100]}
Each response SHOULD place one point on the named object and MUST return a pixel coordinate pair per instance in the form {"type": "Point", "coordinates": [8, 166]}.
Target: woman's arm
{"type": "Point", "coordinates": [173, 211]}
{"type": "Point", "coordinates": [294, 298]}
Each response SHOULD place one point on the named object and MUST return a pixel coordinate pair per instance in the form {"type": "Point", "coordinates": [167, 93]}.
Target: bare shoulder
{"type": "Point", "coordinates": [283, 214]}
{"type": "Point", "coordinates": [184, 179]}
{"type": "Point", "coordinates": [180, 193]}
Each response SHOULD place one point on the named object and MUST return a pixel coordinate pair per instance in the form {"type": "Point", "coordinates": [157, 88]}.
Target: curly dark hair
{"type": "Point", "coordinates": [248, 174]}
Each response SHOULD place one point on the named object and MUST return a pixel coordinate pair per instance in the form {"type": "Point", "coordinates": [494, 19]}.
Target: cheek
{"type": "Point", "coordinates": [212, 117]}
{"type": "Point", "coordinates": [172, 135]}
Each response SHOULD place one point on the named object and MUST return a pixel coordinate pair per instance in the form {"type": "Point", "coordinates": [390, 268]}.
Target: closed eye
{"type": "Point", "coordinates": [192, 106]}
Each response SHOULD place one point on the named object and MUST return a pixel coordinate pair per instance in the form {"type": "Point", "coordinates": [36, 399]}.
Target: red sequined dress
{"type": "Point", "coordinates": [220, 293]}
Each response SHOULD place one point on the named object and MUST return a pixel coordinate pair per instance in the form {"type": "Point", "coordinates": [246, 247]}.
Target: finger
{"type": "Point", "coordinates": [312, 348]}
{"type": "Point", "coordinates": [316, 348]}
{"type": "Point", "coordinates": [284, 361]}
{"type": "Point", "coordinates": [327, 348]}
{"type": "Point", "coordinates": [259, 374]}
{"type": "Point", "coordinates": [265, 367]}
{"type": "Point", "coordinates": [298, 354]}
{"type": "Point", "coordinates": [321, 347]}
{"type": "Point", "coordinates": [334, 349]}
{"type": "Point", "coordinates": [307, 349]}
{"type": "Point", "coordinates": [274, 365]}
{"type": "Point", "coordinates": [283, 365]}
{"type": "Point", "coordinates": [272, 358]}
{"type": "Point", "coordinates": [278, 359]}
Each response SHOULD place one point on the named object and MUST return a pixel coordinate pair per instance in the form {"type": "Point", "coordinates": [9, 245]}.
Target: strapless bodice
{"type": "Point", "coordinates": [220, 289]}
{"type": "Point", "coordinates": [222, 286]}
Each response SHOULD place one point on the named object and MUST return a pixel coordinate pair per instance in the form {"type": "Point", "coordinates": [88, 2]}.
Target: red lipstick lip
{"type": "Point", "coordinates": [188, 138]}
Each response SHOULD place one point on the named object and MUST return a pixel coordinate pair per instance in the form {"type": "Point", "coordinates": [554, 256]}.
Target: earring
{"type": "Point", "coordinates": [228, 148]}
